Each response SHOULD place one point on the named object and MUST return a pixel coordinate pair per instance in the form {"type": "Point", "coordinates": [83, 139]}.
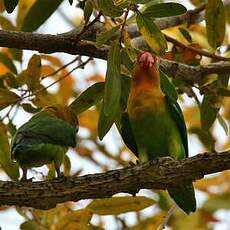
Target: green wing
{"type": "Point", "coordinates": [178, 117]}
{"type": "Point", "coordinates": [45, 128]}
{"type": "Point", "coordinates": [127, 133]}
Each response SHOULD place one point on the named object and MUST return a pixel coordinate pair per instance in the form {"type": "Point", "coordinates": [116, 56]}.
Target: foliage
{"type": "Point", "coordinates": [24, 88]}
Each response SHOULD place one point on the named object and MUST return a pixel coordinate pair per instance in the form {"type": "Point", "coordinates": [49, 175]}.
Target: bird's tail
{"type": "Point", "coordinates": [184, 197]}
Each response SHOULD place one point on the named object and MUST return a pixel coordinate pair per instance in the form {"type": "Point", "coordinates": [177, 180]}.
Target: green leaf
{"type": "Point", "coordinates": [208, 113]}
{"type": "Point", "coordinates": [118, 205]}
{"type": "Point", "coordinates": [223, 124]}
{"type": "Point", "coordinates": [39, 13]}
{"type": "Point", "coordinates": [185, 34]}
{"type": "Point", "coordinates": [126, 60]}
{"type": "Point", "coordinates": [7, 98]}
{"type": "Point", "coordinates": [105, 122]}
{"type": "Point", "coordinates": [151, 33]}
{"type": "Point", "coordinates": [109, 9]}
{"type": "Point", "coordinates": [88, 98]}
{"type": "Point", "coordinates": [29, 108]}
{"type": "Point", "coordinates": [113, 80]}
{"type": "Point", "coordinates": [67, 165]}
{"type": "Point", "coordinates": [11, 168]}
{"type": "Point", "coordinates": [165, 10]}
{"type": "Point", "coordinates": [167, 87]}
{"type": "Point", "coordinates": [29, 225]}
{"type": "Point", "coordinates": [103, 37]}
{"type": "Point", "coordinates": [215, 22]}
{"type": "Point", "coordinates": [8, 62]}
{"type": "Point", "coordinates": [125, 89]}
{"type": "Point", "coordinates": [10, 5]}
{"type": "Point", "coordinates": [88, 10]}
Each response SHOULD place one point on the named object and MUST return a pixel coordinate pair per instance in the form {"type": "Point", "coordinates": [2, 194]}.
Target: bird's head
{"type": "Point", "coordinates": [63, 112]}
{"type": "Point", "coordinates": [147, 60]}
{"type": "Point", "coordinates": [146, 71]}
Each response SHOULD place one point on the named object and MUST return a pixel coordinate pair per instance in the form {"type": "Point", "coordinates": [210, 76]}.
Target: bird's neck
{"type": "Point", "coordinates": [146, 79]}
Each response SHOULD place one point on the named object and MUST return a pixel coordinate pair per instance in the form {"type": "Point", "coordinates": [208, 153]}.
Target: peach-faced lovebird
{"type": "Point", "coordinates": [154, 126]}
{"type": "Point", "coordinates": [45, 138]}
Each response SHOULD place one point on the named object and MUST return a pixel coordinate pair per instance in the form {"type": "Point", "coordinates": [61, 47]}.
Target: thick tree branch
{"type": "Point", "coordinates": [161, 173]}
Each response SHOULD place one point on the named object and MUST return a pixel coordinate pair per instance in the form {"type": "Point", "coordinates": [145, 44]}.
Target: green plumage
{"type": "Point", "coordinates": [44, 139]}
{"type": "Point", "coordinates": [154, 127]}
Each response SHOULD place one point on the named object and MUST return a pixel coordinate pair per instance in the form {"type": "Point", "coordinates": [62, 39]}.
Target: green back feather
{"type": "Point", "coordinates": [45, 128]}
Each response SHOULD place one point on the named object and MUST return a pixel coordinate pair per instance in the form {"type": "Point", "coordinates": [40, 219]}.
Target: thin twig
{"type": "Point", "coordinates": [61, 78]}
{"type": "Point", "coordinates": [196, 50]}
{"type": "Point", "coordinates": [123, 26]}
{"type": "Point", "coordinates": [61, 68]}
{"type": "Point", "coordinates": [86, 27]}
{"type": "Point", "coordinates": [167, 217]}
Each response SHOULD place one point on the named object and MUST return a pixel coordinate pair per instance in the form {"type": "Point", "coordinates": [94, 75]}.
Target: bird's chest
{"type": "Point", "coordinates": [150, 123]}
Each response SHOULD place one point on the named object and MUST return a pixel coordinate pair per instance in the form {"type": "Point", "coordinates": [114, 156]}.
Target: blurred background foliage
{"type": "Point", "coordinates": [29, 81]}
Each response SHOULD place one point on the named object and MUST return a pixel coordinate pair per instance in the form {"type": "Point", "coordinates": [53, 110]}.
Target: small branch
{"type": "Point", "coordinates": [196, 50]}
{"type": "Point", "coordinates": [161, 173]}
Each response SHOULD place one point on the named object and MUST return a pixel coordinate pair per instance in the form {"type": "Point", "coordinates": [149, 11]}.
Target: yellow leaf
{"type": "Point", "coordinates": [118, 205]}
{"type": "Point", "coordinates": [53, 60]}
{"type": "Point", "coordinates": [75, 220]}
{"type": "Point", "coordinates": [7, 98]}
{"type": "Point", "coordinates": [151, 33]}
{"type": "Point", "coordinates": [23, 8]}
{"type": "Point", "coordinates": [2, 8]}
{"type": "Point", "coordinates": [31, 76]}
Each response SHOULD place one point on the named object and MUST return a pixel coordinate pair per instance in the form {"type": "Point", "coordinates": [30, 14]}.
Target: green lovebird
{"type": "Point", "coordinates": [45, 138]}
{"type": "Point", "coordinates": [154, 126]}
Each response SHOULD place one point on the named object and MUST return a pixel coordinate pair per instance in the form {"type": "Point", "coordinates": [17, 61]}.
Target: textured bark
{"type": "Point", "coordinates": [161, 173]}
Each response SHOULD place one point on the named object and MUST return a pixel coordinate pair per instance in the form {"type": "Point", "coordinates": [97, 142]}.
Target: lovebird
{"type": "Point", "coordinates": [154, 126]}
{"type": "Point", "coordinates": [45, 138]}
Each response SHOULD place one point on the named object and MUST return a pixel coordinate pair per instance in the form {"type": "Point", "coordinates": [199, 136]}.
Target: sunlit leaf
{"type": "Point", "coordinates": [39, 13]}
{"type": "Point", "coordinates": [10, 167]}
{"type": "Point", "coordinates": [88, 98]}
{"type": "Point", "coordinates": [32, 74]}
{"type": "Point", "coordinates": [215, 22]}
{"type": "Point", "coordinates": [103, 37]}
{"type": "Point", "coordinates": [118, 205]}
{"type": "Point", "coordinates": [75, 220]}
{"type": "Point", "coordinates": [6, 24]}
{"type": "Point", "coordinates": [165, 10]}
{"type": "Point", "coordinates": [151, 33]}
{"type": "Point", "coordinates": [109, 9]}
{"type": "Point", "coordinates": [10, 5]}
{"type": "Point", "coordinates": [216, 202]}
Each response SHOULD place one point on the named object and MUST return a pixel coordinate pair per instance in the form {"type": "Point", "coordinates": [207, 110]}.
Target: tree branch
{"type": "Point", "coordinates": [161, 173]}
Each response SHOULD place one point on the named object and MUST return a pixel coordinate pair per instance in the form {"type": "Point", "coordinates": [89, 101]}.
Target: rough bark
{"type": "Point", "coordinates": [161, 173]}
